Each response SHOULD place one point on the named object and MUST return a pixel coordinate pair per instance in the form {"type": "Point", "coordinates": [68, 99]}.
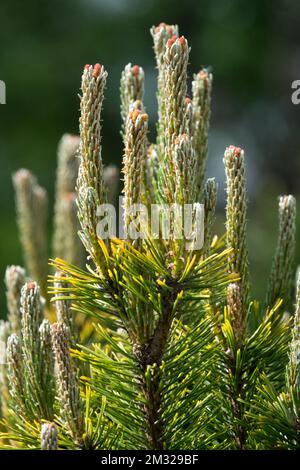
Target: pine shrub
{"type": "Point", "coordinates": [148, 343]}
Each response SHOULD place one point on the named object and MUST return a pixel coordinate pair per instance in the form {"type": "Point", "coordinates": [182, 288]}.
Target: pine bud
{"type": "Point", "coordinates": [175, 82]}
{"type": "Point", "coordinates": [202, 88]}
{"type": "Point", "coordinates": [31, 202]}
{"type": "Point", "coordinates": [161, 34]}
{"type": "Point", "coordinates": [48, 436]}
{"type": "Point", "coordinates": [90, 186]}
{"type": "Point", "coordinates": [281, 277]}
{"type": "Point", "coordinates": [68, 390]}
{"type": "Point", "coordinates": [14, 281]}
{"type": "Point", "coordinates": [184, 168]}
{"type": "Point", "coordinates": [175, 87]}
{"type": "Point", "coordinates": [236, 213]}
{"type": "Point", "coordinates": [134, 160]}
{"type": "Point", "coordinates": [131, 88]}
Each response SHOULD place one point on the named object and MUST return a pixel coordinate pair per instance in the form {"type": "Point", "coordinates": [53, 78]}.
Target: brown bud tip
{"type": "Point", "coordinates": [87, 66]}
{"type": "Point", "coordinates": [135, 70]}
{"type": "Point", "coordinates": [134, 114]}
{"type": "Point", "coordinates": [203, 74]}
{"type": "Point", "coordinates": [137, 112]}
{"type": "Point", "coordinates": [169, 28]}
{"type": "Point", "coordinates": [187, 100]}
{"type": "Point", "coordinates": [159, 27]}
{"type": "Point", "coordinates": [235, 150]}
{"type": "Point", "coordinates": [182, 41]}
{"type": "Point", "coordinates": [31, 285]}
{"type": "Point", "coordinates": [97, 70]}
{"type": "Point", "coordinates": [171, 41]}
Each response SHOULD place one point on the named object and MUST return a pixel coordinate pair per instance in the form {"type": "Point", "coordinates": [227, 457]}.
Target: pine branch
{"type": "Point", "coordinates": [178, 355]}
{"type": "Point", "coordinates": [161, 34]}
{"type": "Point", "coordinates": [149, 357]}
{"type": "Point", "coordinates": [131, 89]}
{"type": "Point", "coordinates": [202, 89]}
{"type": "Point", "coordinates": [236, 218]}
{"type": "Point", "coordinates": [134, 162]}
{"type": "Point", "coordinates": [175, 61]}
{"type": "Point", "coordinates": [126, 301]}
{"type": "Point", "coordinates": [90, 185]}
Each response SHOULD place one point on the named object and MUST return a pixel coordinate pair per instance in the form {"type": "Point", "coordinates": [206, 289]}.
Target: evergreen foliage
{"type": "Point", "coordinates": [148, 344]}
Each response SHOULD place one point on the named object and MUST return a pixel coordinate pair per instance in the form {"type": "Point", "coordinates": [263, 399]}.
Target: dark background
{"type": "Point", "coordinates": [252, 46]}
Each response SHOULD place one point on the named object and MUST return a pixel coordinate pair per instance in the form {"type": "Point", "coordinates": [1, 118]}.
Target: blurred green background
{"type": "Point", "coordinates": [252, 46]}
